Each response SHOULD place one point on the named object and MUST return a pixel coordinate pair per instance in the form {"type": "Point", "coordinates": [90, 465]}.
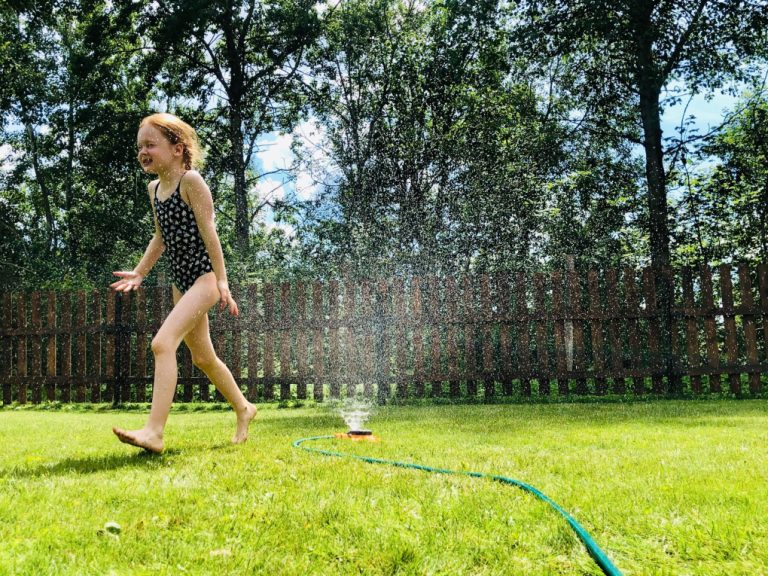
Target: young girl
{"type": "Point", "coordinates": [184, 227]}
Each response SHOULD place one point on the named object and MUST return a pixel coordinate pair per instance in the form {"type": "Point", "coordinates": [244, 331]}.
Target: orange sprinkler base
{"type": "Point", "coordinates": [357, 437]}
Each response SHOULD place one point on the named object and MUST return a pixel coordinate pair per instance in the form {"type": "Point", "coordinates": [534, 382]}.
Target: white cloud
{"type": "Point", "coordinates": [268, 189]}
{"type": "Point", "coordinates": [7, 158]}
{"type": "Point", "coordinates": [275, 152]}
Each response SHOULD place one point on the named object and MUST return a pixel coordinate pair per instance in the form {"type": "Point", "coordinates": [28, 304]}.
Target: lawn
{"type": "Point", "coordinates": [666, 487]}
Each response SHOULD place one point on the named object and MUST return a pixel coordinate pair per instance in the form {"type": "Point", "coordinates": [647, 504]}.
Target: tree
{"type": "Point", "coordinates": [630, 51]}
{"type": "Point", "coordinates": [724, 208]}
{"type": "Point", "coordinates": [70, 108]}
{"type": "Point", "coordinates": [447, 159]}
{"type": "Point", "coordinates": [236, 64]}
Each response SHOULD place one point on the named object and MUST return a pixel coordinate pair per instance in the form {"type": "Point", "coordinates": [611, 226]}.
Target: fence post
{"type": "Point", "coordinates": [117, 392]}
{"type": "Point", "coordinates": [7, 351]}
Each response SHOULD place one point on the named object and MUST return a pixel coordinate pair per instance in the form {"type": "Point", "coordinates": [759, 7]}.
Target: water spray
{"type": "Point", "coordinates": [355, 413]}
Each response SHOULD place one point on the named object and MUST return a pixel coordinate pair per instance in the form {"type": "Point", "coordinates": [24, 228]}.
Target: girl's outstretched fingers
{"type": "Point", "coordinates": [128, 281]}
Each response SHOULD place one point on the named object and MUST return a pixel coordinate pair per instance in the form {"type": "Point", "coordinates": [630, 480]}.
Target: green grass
{"type": "Point", "coordinates": [676, 487]}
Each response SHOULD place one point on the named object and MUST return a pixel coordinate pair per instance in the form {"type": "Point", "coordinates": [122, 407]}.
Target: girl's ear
{"type": "Point", "coordinates": [178, 148]}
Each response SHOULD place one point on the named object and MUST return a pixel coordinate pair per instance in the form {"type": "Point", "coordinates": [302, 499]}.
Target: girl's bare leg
{"type": "Point", "coordinates": [186, 313]}
{"type": "Point", "coordinates": [198, 340]}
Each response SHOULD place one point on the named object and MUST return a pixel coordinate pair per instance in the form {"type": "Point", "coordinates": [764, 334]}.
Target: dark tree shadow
{"type": "Point", "coordinates": [91, 464]}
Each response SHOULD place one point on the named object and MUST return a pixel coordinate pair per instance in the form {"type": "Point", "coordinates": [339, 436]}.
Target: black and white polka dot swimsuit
{"type": "Point", "coordinates": [183, 242]}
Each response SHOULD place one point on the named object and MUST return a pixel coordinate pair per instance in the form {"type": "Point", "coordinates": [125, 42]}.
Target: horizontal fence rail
{"type": "Point", "coordinates": [541, 334]}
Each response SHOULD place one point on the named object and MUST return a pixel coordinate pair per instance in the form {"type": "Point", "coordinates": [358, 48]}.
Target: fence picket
{"type": "Point", "coordinates": [383, 357]}
{"type": "Point", "coordinates": [51, 354]}
{"type": "Point", "coordinates": [750, 332]}
{"type": "Point", "coordinates": [558, 310]}
{"type": "Point", "coordinates": [614, 334]}
{"type": "Point", "coordinates": [302, 351]}
{"type": "Point", "coordinates": [654, 346]}
{"type": "Point", "coordinates": [269, 345]}
{"type": "Point", "coordinates": [285, 341]}
{"type": "Point", "coordinates": [350, 363]}
{"type": "Point", "coordinates": [367, 314]}
{"type": "Point", "coordinates": [96, 371]}
{"type": "Point", "coordinates": [318, 358]}
{"type": "Point", "coordinates": [596, 330]}
{"type": "Point", "coordinates": [542, 351]}
{"type": "Point", "coordinates": [576, 313]}
{"type": "Point", "coordinates": [436, 366]}
{"type": "Point", "coordinates": [451, 301]}
{"type": "Point", "coordinates": [504, 317]}
{"type": "Point", "coordinates": [66, 346]}
{"type": "Point", "coordinates": [401, 344]}
{"type": "Point", "coordinates": [36, 379]}
{"type": "Point", "coordinates": [691, 330]}
{"type": "Point", "coordinates": [523, 336]}
{"type": "Point", "coordinates": [254, 319]}
{"type": "Point", "coordinates": [631, 312]}
{"type": "Point", "coordinates": [418, 339]}
{"type": "Point", "coordinates": [729, 318]}
{"type": "Point", "coordinates": [80, 324]}
{"type": "Point", "coordinates": [710, 330]}
{"type": "Point", "coordinates": [470, 360]}
{"type": "Point", "coordinates": [7, 348]}
{"type": "Point", "coordinates": [486, 315]}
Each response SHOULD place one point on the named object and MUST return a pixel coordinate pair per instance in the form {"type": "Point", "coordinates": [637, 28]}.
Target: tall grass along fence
{"type": "Point", "coordinates": [560, 333]}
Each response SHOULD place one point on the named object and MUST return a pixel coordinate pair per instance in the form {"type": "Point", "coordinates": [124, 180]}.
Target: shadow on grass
{"type": "Point", "coordinates": [90, 465]}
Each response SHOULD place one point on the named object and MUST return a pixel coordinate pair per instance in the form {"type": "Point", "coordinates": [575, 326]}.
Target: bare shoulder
{"type": "Point", "coordinates": [193, 179]}
{"type": "Point", "coordinates": [193, 186]}
{"type": "Point", "coordinates": [151, 186]}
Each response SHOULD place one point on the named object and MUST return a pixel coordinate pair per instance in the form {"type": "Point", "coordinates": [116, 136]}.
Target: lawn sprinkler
{"type": "Point", "coordinates": [355, 413]}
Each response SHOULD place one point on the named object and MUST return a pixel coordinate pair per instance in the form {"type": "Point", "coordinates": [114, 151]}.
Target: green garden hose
{"type": "Point", "coordinates": [594, 550]}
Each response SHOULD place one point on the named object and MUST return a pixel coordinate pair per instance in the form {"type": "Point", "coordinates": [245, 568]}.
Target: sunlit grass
{"type": "Point", "coordinates": [673, 487]}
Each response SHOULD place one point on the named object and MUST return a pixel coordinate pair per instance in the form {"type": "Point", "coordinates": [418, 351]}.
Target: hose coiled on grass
{"type": "Point", "coordinates": [594, 550]}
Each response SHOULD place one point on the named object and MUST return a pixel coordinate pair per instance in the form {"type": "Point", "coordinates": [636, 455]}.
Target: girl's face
{"type": "Point", "coordinates": [155, 152]}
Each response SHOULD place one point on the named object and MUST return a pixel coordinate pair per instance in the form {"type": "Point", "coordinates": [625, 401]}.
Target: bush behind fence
{"type": "Point", "coordinates": [540, 334]}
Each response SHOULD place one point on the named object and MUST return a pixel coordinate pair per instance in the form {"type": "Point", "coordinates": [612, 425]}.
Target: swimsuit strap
{"type": "Point", "coordinates": [156, 187]}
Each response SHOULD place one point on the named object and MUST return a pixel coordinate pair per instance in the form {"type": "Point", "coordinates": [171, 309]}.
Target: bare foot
{"type": "Point", "coordinates": [244, 418]}
{"type": "Point", "coordinates": [150, 441]}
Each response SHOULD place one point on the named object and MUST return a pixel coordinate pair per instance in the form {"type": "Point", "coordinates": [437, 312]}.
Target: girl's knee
{"type": "Point", "coordinates": [204, 361]}
{"type": "Point", "coordinates": [162, 345]}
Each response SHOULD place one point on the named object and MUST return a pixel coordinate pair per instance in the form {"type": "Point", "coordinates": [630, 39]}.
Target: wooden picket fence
{"type": "Point", "coordinates": [560, 333]}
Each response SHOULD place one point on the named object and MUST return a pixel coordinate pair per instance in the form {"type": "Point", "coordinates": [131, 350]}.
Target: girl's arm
{"type": "Point", "coordinates": [201, 202]}
{"type": "Point", "coordinates": [133, 279]}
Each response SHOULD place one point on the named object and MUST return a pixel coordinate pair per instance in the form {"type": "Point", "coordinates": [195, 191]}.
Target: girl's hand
{"type": "Point", "coordinates": [226, 299]}
{"type": "Point", "coordinates": [128, 281]}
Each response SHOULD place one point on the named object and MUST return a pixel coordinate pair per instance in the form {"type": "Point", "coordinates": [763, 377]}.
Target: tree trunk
{"type": "Point", "coordinates": [72, 237]}
{"type": "Point", "coordinates": [40, 178]}
{"type": "Point", "coordinates": [649, 83]}
{"type": "Point", "coordinates": [242, 218]}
